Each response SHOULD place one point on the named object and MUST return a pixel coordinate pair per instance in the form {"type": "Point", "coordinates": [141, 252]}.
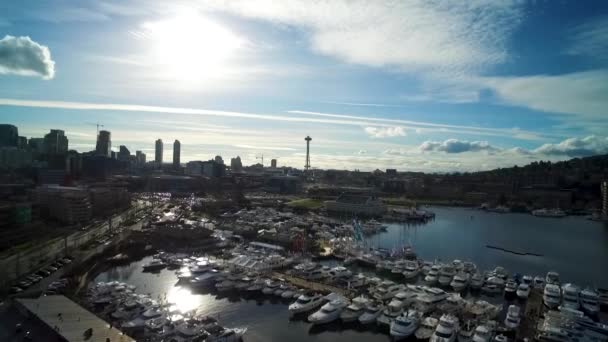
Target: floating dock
{"type": "Point", "coordinates": [70, 320]}
{"type": "Point", "coordinates": [311, 285]}
{"type": "Point", "coordinates": [532, 314]}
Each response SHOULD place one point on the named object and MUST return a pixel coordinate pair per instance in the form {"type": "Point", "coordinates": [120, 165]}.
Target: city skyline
{"type": "Point", "coordinates": [432, 87]}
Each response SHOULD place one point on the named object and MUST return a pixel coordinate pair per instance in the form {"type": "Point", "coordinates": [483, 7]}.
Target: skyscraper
{"type": "Point", "coordinates": [158, 152]}
{"type": "Point", "coordinates": [56, 142]}
{"type": "Point", "coordinates": [140, 157]}
{"type": "Point", "coordinates": [235, 164]}
{"type": "Point", "coordinates": [124, 153]}
{"type": "Point", "coordinates": [8, 135]}
{"type": "Point", "coordinates": [104, 144]}
{"type": "Point", "coordinates": [273, 163]}
{"type": "Point", "coordinates": [177, 147]}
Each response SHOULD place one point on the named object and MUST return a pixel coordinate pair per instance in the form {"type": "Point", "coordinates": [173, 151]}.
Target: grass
{"type": "Point", "coordinates": [306, 203]}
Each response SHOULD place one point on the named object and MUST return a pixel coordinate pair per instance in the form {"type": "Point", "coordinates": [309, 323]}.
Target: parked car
{"type": "Point", "coordinates": [15, 290]}
{"type": "Point", "coordinates": [43, 273]}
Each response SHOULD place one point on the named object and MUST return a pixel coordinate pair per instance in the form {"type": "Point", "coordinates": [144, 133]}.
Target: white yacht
{"type": "Point", "coordinates": [355, 309]}
{"type": "Point", "coordinates": [570, 295]}
{"type": "Point", "coordinates": [357, 281]}
{"type": "Point", "coordinates": [523, 291]}
{"type": "Point", "coordinates": [539, 282]}
{"type": "Point", "coordinates": [433, 275]}
{"type": "Point", "coordinates": [548, 212]}
{"type": "Point", "coordinates": [405, 325]}
{"type": "Point", "coordinates": [446, 274]}
{"type": "Point", "coordinates": [590, 301]}
{"type": "Point", "coordinates": [427, 328]}
{"type": "Point", "coordinates": [371, 313]}
{"type": "Point", "coordinates": [552, 278]}
{"type": "Point", "coordinates": [204, 280]}
{"type": "Point", "coordinates": [460, 281]}
{"type": "Point", "coordinates": [225, 286]}
{"type": "Point", "coordinates": [270, 287]}
{"type": "Point", "coordinates": [314, 274]}
{"type": "Point", "coordinates": [446, 329]}
{"type": "Point", "coordinates": [466, 332]}
{"type": "Point", "coordinates": [220, 334]}
{"type": "Point", "coordinates": [513, 317]}
{"type": "Point", "coordinates": [411, 269]}
{"type": "Point", "coordinates": [527, 279]}
{"type": "Point", "coordinates": [154, 265]}
{"type": "Point", "coordinates": [477, 281]}
{"type": "Point", "coordinates": [552, 296]}
{"type": "Point", "coordinates": [510, 288]}
{"type": "Point", "coordinates": [406, 297]}
{"type": "Point", "coordinates": [328, 312]}
{"type": "Point", "coordinates": [392, 310]}
{"type": "Point", "coordinates": [482, 334]}
{"type": "Point", "coordinates": [432, 295]}
{"type": "Point", "coordinates": [305, 303]}
{"type": "Point", "coordinates": [257, 285]}
{"type": "Point", "coordinates": [339, 272]}
{"type": "Point", "coordinates": [385, 293]}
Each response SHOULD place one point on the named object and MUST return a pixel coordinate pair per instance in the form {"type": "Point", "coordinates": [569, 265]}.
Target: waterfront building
{"type": "Point", "coordinates": [55, 142]}
{"type": "Point", "coordinates": [140, 157]}
{"type": "Point", "coordinates": [104, 144]}
{"type": "Point", "coordinates": [105, 200]}
{"type": "Point", "coordinates": [68, 205]}
{"type": "Point", "coordinates": [273, 163]}
{"type": "Point", "coordinates": [177, 147]}
{"type": "Point", "coordinates": [8, 135]}
{"type": "Point", "coordinates": [158, 152]}
{"type": "Point", "coordinates": [210, 168]}
{"type": "Point", "coordinates": [353, 204]}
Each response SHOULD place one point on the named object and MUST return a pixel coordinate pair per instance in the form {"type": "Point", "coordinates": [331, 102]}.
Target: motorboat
{"type": "Point", "coordinates": [155, 324]}
{"type": "Point", "coordinates": [523, 291]}
{"type": "Point", "coordinates": [153, 312]}
{"type": "Point", "coordinates": [385, 293]}
{"type": "Point", "coordinates": [590, 302]}
{"type": "Point", "coordinates": [552, 296]}
{"type": "Point", "coordinates": [426, 267]}
{"type": "Point", "coordinates": [405, 325]}
{"type": "Point", "coordinates": [280, 289]}
{"type": "Point", "coordinates": [466, 332]}
{"type": "Point", "coordinates": [510, 289]}
{"type": "Point", "coordinates": [256, 286]}
{"type": "Point", "coordinates": [454, 304]}
{"type": "Point", "coordinates": [329, 312]}
{"type": "Point", "coordinates": [501, 338]}
{"type": "Point", "coordinates": [314, 274]}
{"type": "Point", "coordinates": [571, 296]}
{"type": "Point", "coordinates": [426, 328]}
{"type": "Point", "coordinates": [189, 329]}
{"type": "Point", "coordinates": [289, 293]}
{"type": "Point", "coordinates": [371, 313]}
{"type": "Point", "coordinates": [354, 310]}
{"type": "Point", "coordinates": [357, 281]}
{"type": "Point", "coordinates": [433, 275]}
{"type": "Point", "coordinates": [477, 281]}
{"type": "Point", "coordinates": [446, 329]}
{"type": "Point", "coordinates": [406, 297]}
{"type": "Point", "coordinates": [483, 333]}
{"type": "Point", "coordinates": [432, 295]}
{"type": "Point", "coordinates": [555, 212]}
{"type": "Point", "coordinates": [460, 281]}
{"type": "Point", "coordinates": [204, 280]}
{"type": "Point", "coordinates": [225, 286]}
{"type": "Point", "coordinates": [539, 282]}
{"type": "Point", "coordinates": [552, 278]}
{"type": "Point", "coordinates": [527, 279]}
{"type": "Point", "coordinates": [469, 267]}
{"type": "Point", "coordinates": [392, 310]}
{"type": "Point", "coordinates": [446, 274]}
{"type": "Point", "coordinates": [513, 317]}
{"type": "Point", "coordinates": [154, 265]}
{"type": "Point", "coordinates": [305, 303]}
{"type": "Point", "coordinates": [243, 284]}
{"type": "Point", "coordinates": [270, 287]}
{"type": "Point", "coordinates": [339, 272]}
{"type": "Point", "coordinates": [411, 269]}
{"type": "Point", "coordinates": [221, 334]}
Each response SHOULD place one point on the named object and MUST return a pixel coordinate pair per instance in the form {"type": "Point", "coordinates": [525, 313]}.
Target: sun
{"type": "Point", "coordinates": [191, 47]}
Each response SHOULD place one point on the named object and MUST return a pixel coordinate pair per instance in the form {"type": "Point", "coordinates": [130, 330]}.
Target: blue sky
{"type": "Point", "coordinates": [415, 85]}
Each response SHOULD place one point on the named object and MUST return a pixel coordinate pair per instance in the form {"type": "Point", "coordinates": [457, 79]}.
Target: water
{"type": "Point", "coordinates": [573, 246]}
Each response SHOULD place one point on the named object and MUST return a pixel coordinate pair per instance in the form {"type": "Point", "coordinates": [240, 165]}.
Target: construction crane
{"type": "Point", "coordinates": [97, 124]}
{"type": "Point", "coordinates": [260, 156]}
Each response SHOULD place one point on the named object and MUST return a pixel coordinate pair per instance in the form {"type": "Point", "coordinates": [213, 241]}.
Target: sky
{"type": "Point", "coordinates": [434, 86]}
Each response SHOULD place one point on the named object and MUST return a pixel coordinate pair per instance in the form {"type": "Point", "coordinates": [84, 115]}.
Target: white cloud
{"type": "Point", "coordinates": [447, 37]}
{"type": "Point", "coordinates": [25, 57]}
{"type": "Point", "coordinates": [456, 146]}
{"type": "Point", "coordinates": [590, 39]}
{"type": "Point", "coordinates": [385, 132]}
{"type": "Point", "coordinates": [576, 147]}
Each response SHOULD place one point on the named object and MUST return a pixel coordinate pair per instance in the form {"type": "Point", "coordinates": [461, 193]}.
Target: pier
{"type": "Point", "coordinates": [71, 321]}
{"type": "Point", "coordinates": [314, 286]}
{"type": "Point", "coordinates": [532, 313]}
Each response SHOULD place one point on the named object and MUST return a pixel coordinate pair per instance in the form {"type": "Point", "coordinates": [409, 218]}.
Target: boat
{"type": "Point", "coordinates": [555, 212]}
{"type": "Point", "coordinates": [501, 338]}
{"type": "Point", "coordinates": [354, 310]}
{"type": "Point", "coordinates": [527, 279]}
{"type": "Point", "coordinates": [426, 328]}
{"type": "Point", "coordinates": [454, 304]}
{"type": "Point", "coordinates": [446, 329]}
{"type": "Point", "coordinates": [289, 293]}
{"type": "Point", "coordinates": [477, 281]}
{"type": "Point", "coordinates": [571, 296]}
{"type": "Point", "coordinates": [243, 284]}
{"type": "Point", "coordinates": [221, 334]}
{"type": "Point", "coordinates": [392, 310]}
{"type": "Point", "coordinates": [429, 298]}
{"type": "Point", "coordinates": [466, 332]}
{"type": "Point", "coordinates": [329, 312]}
{"type": "Point", "coordinates": [446, 274]}
{"type": "Point", "coordinates": [411, 269]}
{"type": "Point", "coordinates": [405, 325]}
{"type": "Point", "coordinates": [433, 275]}
{"type": "Point", "coordinates": [513, 317]}
{"type": "Point", "coordinates": [204, 280]}
{"type": "Point", "coordinates": [426, 267]}
{"type": "Point", "coordinates": [482, 334]}
{"type": "Point", "coordinates": [371, 313]}
{"type": "Point", "coordinates": [154, 265]}
{"type": "Point", "coordinates": [314, 274]}
{"type": "Point", "coordinates": [153, 312]}
{"type": "Point", "coordinates": [552, 278]}
{"type": "Point", "coordinates": [339, 272]}
{"type": "Point", "coordinates": [155, 324]}
{"type": "Point", "coordinates": [539, 282]}
{"type": "Point", "coordinates": [552, 296]}
{"type": "Point", "coordinates": [280, 289]}
{"type": "Point", "coordinates": [406, 297]}
{"type": "Point", "coordinates": [510, 288]}
{"type": "Point", "coordinates": [225, 286]}
{"type": "Point", "coordinates": [189, 329]}
{"type": "Point", "coordinates": [384, 293]}
{"type": "Point", "coordinates": [256, 286]}
{"type": "Point", "coordinates": [590, 302]}
{"type": "Point", "coordinates": [270, 287]}
{"type": "Point", "coordinates": [305, 303]}
{"type": "Point", "coordinates": [523, 291]}
{"type": "Point", "coordinates": [460, 281]}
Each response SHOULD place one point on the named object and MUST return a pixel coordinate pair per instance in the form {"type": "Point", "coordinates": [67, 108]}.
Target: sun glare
{"type": "Point", "coordinates": [190, 47]}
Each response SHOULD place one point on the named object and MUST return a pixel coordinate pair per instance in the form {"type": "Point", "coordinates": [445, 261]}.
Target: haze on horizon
{"type": "Point", "coordinates": [413, 85]}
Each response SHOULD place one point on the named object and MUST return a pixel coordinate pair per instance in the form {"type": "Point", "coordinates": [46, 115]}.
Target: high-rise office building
{"type": "Point", "coordinates": [37, 145]}
{"type": "Point", "coordinates": [140, 157]}
{"type": "Point", "coordinates": [235, 164]}
{"type": "Point", "coordinates": [177, 148]}
{"type": "Point", "coordinates": [273, 163]}
{"type": "Point", "coordinates": [56, 142]}
{"type": "Point", "coordinates": [158, 151]}
{"type": "Point", "coordinates": [124, 153]}
{"type": "Point", "coordinates": [104, 144]}
{"type": "Point", "coordinates": [22, 143]}
{"type": "Point", "coordinates": [219, 160]}
{"type": "Point", "coordinates": [8, 135]}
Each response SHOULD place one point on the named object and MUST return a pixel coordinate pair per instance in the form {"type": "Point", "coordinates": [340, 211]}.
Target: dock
{"type": "Point", "coordinates": [532, 314]}
{"type": "Point", "coordinates": [70, 320]}
{"type": "Point", "coordinates": [314, 286]}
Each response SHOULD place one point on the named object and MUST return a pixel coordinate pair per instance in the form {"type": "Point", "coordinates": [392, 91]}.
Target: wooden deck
{"type": "Point", "coordinates": [70, 320]}
{"type": "Point", "coordinates": [311, 285]}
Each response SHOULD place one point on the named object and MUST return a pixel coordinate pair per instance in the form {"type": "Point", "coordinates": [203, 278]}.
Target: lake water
{"type": "Point", "coordinates": [573, 246]}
